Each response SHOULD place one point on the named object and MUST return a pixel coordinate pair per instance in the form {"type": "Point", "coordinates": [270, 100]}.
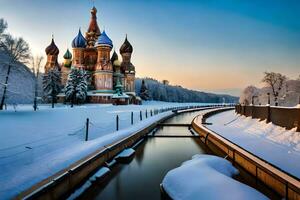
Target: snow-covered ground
{"type": "Point", "coordinates": [207, 177]}
{"type": "Point", "coordinates": [36, 145]}
{"type": "Point", "coordinates": [274, 144]}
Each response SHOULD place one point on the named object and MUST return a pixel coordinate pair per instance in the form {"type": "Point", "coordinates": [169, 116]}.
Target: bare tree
{"type": "Point", "coordinates": [3, 27]}
{"type": "Point", "coordinates": [249, 95]}
{"type": "Point", "coordinates": [144, 91]}
{"type": "Point", "coordinates": [17, 50]}
{"type": "Point", "coordinates": [36, 66]}
{"type": "Point", "coordinates": [276, 81]}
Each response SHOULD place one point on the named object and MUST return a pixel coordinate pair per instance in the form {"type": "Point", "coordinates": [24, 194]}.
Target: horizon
{"type": "Point", "coordinates": [219, 47]}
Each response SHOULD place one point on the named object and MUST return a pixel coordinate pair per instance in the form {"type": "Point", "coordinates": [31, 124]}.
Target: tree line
{"type": "Point", "coordinates": [162, 91]}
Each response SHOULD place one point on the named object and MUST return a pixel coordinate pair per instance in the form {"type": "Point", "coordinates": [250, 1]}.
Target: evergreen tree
{"type": "Point", "coordinates": [52, 84]}
{"type": "Point", "coordinates": [174, 93]}
{"type": "Point", "coordinates": [144, 91]}
{"type": "Point", "coordinates": [76, 87]}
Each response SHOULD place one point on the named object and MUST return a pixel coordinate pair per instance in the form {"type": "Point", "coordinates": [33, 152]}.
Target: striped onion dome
{"type": "Point", "coordinates": [79, 41]}
{"type": "Point", "coordinates": [68, 55]}
{"type": "Point", "coordinates": [52, 49]}
{"type": "Point", "coordinates": [104, 40]}
{"type": "Point", "coordinates": [126, 47]}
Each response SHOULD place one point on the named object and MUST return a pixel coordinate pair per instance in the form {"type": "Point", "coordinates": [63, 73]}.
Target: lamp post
{"type": "Point", "coordinates": [269, 101]}
{"type": "Point", "coordinates": [255, 96]}
{"type": "Point", "coordinates": [276, 99]}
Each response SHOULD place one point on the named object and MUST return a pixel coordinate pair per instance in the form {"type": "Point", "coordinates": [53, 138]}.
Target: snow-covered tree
{"type": "Point", "coordinates": [276, 81]}
{"type": "Point", "coordinates": [52, 84]}
{"type": "Point", "coordinates": [17, 51]}
{"type": "Point", "coordinates": [144, 91]}
{"type": "Point", "coordinates": [159, 91]}
{"type": "Point", "coordinates": [3, 27]}
{"type": "Point", "coordinates": [76, 87]}
{"type": "Point", "coordinates": [249, 95]}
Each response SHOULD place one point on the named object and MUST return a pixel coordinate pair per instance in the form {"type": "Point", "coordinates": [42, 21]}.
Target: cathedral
{"type": "Point", "coordinates": [111, 80]}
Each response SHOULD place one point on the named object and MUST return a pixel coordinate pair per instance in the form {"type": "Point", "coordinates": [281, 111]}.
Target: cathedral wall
{"type": "Point", "coordinates": [129, 83]}
{"type": "Point", "coordinates": [103, 81]}
{"type": "Point", "coordinates": [64, 74]}
{"type": "Point", "coordinates": [103, 62]}
{"type": "Point", "coordinates": [90, 58]}
{"type": "Point", "coordinates": [78, 54]}
{"type": "Point", "coordinates": [51, 61]}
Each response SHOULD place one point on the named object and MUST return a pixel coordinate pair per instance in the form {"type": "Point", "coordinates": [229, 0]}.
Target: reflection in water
{"type": "Point", "coordinates": [185, 118]}
{"type": "Point", "coordinates": [141, 178]}
{"type": "Point", "coordinates": [140, 153]}
{"type": "Point", "coordinates": [153, 159]}
{"type": "Point", "coordinates": [173, 130]}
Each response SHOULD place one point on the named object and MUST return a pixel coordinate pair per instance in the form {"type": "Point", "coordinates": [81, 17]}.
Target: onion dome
{"type": "Point", "coordinates": [117, 63]}
{"type": "Point", "coordinates": [68, 55]}
{"type": "Point", "coordinates": [114, 57]}
{"type": "Point", "coordinates": [93, 27]}
{"type": "Point", "coordinates": [104, 40]}
{"type": "Point", "coordinates": [126, 47]}
{"type": "Point", "coordinates": [52, 49]}
{"type": "Point", "coordinates": [79, 41]}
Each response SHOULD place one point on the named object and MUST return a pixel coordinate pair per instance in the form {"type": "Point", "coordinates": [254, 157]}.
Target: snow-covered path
{"type": "Point", "coordinates": [36, 145]}
{"type": "Point", "coordinates": [272, 143]}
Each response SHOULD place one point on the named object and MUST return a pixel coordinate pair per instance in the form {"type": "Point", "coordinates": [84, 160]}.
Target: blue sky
{"type": "Point", "coordinates": [210, 45]}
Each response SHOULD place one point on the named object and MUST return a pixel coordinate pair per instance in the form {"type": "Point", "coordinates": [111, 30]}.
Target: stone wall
{"type": "Point", "coordinates": [281, 116]}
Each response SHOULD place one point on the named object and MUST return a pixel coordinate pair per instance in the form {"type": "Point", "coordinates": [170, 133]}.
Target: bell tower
{"type": "Point", "coordinates": [126, 65]}
{"type": "Point", "coordinates": [93, 31]}
{"type": "Point", "coordinates": [78, 45]}
{"type": "Point", "coordinates": [103, 76]}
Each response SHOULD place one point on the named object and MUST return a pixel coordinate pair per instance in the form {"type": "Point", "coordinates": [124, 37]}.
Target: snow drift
{"type": "Point", "coordinates": [207, 177]}
{"type": "Point", "coordinates": [275, 144]}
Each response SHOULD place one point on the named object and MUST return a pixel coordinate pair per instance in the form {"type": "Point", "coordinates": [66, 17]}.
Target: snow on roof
{"type": "Point", "coordinates": [131, 93]}
{"type": "Point", "coordinates": [99, 94]}
{"type": "Point", "coordinates": [117, 96]}
{"type": "Point", "coordinates": [207, 177]}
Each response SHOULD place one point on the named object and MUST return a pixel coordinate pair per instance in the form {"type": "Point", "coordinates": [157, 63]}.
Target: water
{"type": "Point", "coordinates": [185, 118]}
{"type": "Point", "coordinates": [141, 178]}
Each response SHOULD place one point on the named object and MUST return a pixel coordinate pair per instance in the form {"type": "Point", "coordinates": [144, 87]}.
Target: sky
{"type": "Point", "coordinates": [208, 45]}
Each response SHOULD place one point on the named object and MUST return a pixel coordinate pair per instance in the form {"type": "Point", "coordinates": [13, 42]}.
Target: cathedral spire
{"type": "Point", "coordinates": [93, 31]}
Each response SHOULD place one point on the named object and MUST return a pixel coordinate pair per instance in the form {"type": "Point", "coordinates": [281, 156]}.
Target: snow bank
{"type": "Point", "coordinates": [207, 177]}
{"type": "Point", "coordinates": [36, 145]}
{"type": "Point", "coordinates": [126, 153]}
{"type": "Point", "coordinates": [97, 176]}
{"type": "Point", "coordinates": [275, 144]}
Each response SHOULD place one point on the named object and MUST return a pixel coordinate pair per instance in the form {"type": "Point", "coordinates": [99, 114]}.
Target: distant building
{"type": "Point", "coordinates": [111, 80]}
